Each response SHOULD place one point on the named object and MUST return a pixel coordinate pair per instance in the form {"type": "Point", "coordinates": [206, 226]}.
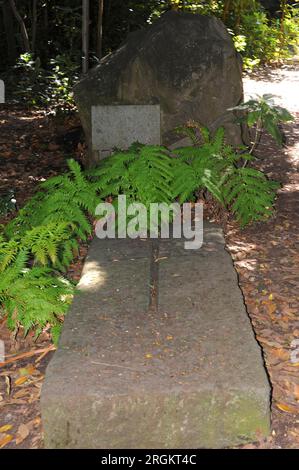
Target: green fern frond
{"type": "Point", "coordinates": [249, 194]}
{"type": "Point", "coordinates": [33, 297]}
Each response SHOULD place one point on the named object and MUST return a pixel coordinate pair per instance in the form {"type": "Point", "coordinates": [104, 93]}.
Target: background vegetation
{"type": "Point", "coordinates": [41, 58]}
{"type": "Point", "coordinates": [42, 39]}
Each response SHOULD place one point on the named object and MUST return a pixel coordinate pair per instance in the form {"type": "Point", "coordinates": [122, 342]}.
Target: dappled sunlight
{"type": "Point", "coordinates": [93, 277]}
{"type": "Point", "coordinates": [249, 264]}
{"type": "Point", "coordinates": [289, 188]}
{"type": "Point", "coordinates": [285, 95]}
{"type": "Point", "coordinates": [247, 247]}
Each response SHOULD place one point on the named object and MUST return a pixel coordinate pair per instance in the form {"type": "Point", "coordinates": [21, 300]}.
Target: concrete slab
{"type": "Point", "coordinates": [188, 375]}
{"type": "Point", "coordinates": [121, 125]}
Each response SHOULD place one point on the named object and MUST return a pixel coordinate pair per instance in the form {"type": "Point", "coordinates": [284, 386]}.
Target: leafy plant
{"type": "Point", "coordinates": [213, 167]}
{"type": "Point", "coordinates": [33, 298]}
{"type": "Point", "coordinates": [143, 173]}
{"type": "Point", "coordinates": [30, 83]}
{"type": "Point", "coordinates": [46, 232]}
{"type": "Point", "coordinates": [249, 194]}
{"type": "Point", "coordinates": [50, 224]}
{"type": "Point", "coordinates": [264, 114]}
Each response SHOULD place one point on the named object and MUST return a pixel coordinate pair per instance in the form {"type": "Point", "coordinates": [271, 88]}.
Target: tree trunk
{"type": "Point", "coordinates": [34, 24]}
{"type": "Point", "coordinates": [283, 8]}
{"type": "Point", "coordinates": [85, 35]}
{"type": "Point", "coordinates": [239, 13]}
{"type": "Point", "coordinates": [99, 48]}
{"type": "Point", "coordinates": [45, 49]}
{"type": "Point", "coordinates": [21, 22]}
{"type": "Point", "coordinates": [9, 32]}
{"type": "Point", "coordinates": [226, 9]}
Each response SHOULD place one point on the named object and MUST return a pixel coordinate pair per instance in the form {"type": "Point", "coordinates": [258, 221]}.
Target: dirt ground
{"type": "Point", "coordinates": [266, 257]}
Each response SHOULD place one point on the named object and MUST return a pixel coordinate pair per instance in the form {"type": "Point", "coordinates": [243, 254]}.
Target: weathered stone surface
{"type": "Point", "coordinates": [184, 62]}
{"type": "Point", "coordinates": [189, 375]}
{"type": "Point", "coordinates": [121, 126]}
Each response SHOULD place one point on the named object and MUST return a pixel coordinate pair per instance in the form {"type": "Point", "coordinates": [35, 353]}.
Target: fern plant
{"type": "Point", "coordinates": [200, 167]}
{"type": "Point", "coordinates": [47, 230]}
{"type": "Point", "coordinates": [249, 194]}
{"type": "Point", "coordinates": [8, 252]}
{"type": "Point", "coordinates": [51, 244]}
{"type": "Point", "coordinates": [67, 198]}
{"type": "Point", "coordinates": [143, 173]}
{"type": "Point", "coordinates": [50, 224]}
{"type": "Point", "coordinates": [33, 298]}
{"type": "Point", "coordinates": [213, 167]}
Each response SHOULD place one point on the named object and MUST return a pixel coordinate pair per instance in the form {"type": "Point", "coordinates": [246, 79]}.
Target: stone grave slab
{"type": "Point", "coordinates": [187, 374]}
{"type": "Point", "coordinates": [121, 125]}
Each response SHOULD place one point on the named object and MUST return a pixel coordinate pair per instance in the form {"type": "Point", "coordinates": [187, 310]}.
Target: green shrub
{"type": "Point", "coordinates": [264, 114]}
{"type": "Point", "coordinates": [262, 39]}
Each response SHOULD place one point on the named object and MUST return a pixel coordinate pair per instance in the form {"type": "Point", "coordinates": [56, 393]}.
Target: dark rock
{"type": "Point", "coordinates": [184, 62]}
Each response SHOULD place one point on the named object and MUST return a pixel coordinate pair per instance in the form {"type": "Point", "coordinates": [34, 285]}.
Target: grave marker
{"type": "Point", "coordinates": [121, 125]}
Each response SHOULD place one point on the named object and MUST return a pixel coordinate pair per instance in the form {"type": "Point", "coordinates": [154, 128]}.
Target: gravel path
{"type": "Point", "coordinates": [284, 83]}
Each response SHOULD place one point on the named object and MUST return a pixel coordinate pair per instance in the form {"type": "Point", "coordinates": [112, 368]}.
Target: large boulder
{"type": "Point", "coordinates": [184, 62]}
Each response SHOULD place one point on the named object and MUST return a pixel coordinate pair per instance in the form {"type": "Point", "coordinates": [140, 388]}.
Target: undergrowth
{"type": "Point", "coordinates": [39, 244]}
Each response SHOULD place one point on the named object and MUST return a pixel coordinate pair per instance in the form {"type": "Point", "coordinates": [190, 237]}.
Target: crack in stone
{"type": "Point", "coordinates": [154, 276]}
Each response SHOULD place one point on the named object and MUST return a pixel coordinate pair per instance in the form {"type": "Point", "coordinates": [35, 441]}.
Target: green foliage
{"type": "Point", "coordinates": [143, 173]}
{"type": "Point", "coordinates": [45, 233]}
{"type": "Point", "coordinates": [50, 244]}
{"type": "Point", "coordinates": [33, 297]}
{"type": "Point", "coordinates": [29, 83]}
{"type": "Point", "coordinates": [265, 115]}
{"type": "Point", "coordinates": [52, 221]}
{"type": "Point", "coordinates": [213, 167]}
{"type": "Point", "coordinates": [262, 38]}
{"type": "Point", "coordinates": [152, 174]}
{"type": "Point", "coordinates": [249, 194]}
{"type": "Point", "coordinates": [260, 35]}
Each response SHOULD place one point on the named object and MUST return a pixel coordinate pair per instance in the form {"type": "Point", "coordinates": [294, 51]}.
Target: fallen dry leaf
{"type": "Point", "coordinates": [5, 440]}
{"type": "Point", "coordinates": [286, 408]}
{"type": "Point", "coordinates": [5, 428]}
{"type": "Point", "coordinates": [22, 393]}
{"type": "Point", "coordinates": [21, 381]}
{"type": "Point", "coordinates": [23, 432]}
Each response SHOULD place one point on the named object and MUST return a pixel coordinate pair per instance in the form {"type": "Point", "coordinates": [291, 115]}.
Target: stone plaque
{"type": "Point", "coordinates": [121, 125]}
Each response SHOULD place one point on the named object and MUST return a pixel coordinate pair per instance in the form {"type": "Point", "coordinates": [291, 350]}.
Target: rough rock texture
{"type": "Point", "coordinates": [188, 375]}
{"type": "Point", "coordinates": [184, 62]}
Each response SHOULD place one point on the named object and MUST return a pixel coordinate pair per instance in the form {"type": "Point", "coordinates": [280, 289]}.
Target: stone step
{"type": "Point", "coordinates": [188, 374]}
